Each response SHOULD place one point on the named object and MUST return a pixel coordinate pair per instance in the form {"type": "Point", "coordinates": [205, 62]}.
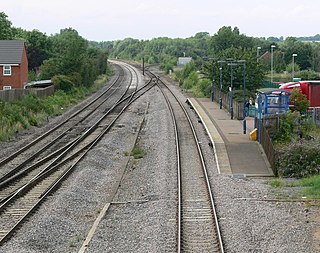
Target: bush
{"type": "Point", "coordinates": [62, 82]}
{"type": "Point", "coordinates": [190, 81]}
{"type": "Point", "coordinates": [308, 75]}
{"type": "Point", "coordinates": [299, 159]}
{"type": "Point", "coordinates": [202, 89]}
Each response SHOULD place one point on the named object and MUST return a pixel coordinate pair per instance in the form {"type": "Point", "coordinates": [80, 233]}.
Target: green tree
{"type": "Point", "coordinates": [227, 37]}
{"type": "Point", "coordinates": [300, 101]}
{"type": "Point", "coordinates": [303, 50]}
{"type": "Point", "coordinates": [38, 48]}
{"type": "Point", "coordinates": [254, 71]}
{"type": "Point", "coordinates": [5, 27]}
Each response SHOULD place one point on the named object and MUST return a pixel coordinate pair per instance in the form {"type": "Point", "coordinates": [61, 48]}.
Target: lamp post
{"type": "Point", "coordinates": [212, 87]}
{"type": "Point", "coordinates": [220, 95]}
{"type": "Point", "coordinates": [258, 49]}
{"type": "Point", "coordinates": [212, 84]}
{"type": "Point", "coordinates": [231, 89]}
{"type": "Point", "coordinates": [220, 71]}
{"type": "Point", "coordinates": [293, 55]}
{"type": "Point", "coordinates": [243, 62]}
{"type": "Point", "coordinates": [272, 47]}
{"type": "Point", "coordinates": [143, 66]}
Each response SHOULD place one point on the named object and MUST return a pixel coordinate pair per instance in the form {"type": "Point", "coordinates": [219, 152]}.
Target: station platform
{"type": "Point", "coordinates": [235, 153]}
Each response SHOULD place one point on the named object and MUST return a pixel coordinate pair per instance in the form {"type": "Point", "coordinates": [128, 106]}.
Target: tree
{"type": "Point", "coordinates": [38, 48]}
{"type": "Point", "coordinates": [303, 50]}
{"type": "Point", "coordinates": [254, 71]}
{"type": "Point", "coordinates": [72, 58]}
{"type": "Point", "coordinates": [227, 37]}
{"type": "Point", "coordinates": [300, 101]}
{"type": "Point", "coordinates": [5, 27]}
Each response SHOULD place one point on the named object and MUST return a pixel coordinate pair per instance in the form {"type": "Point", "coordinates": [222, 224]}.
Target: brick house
{"type": "Point", "coordinates": [13, 64]}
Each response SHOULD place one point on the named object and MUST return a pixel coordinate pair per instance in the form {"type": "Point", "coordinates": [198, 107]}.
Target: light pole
{"type": "Point", "coordinates": [212, 87]}
{"type": "Point", "coordinates": [231, 89]}
{"type": "Point", "coordinates": [272, 47]}
{"type": "Point", "coordinates": [220, 95]}
{"type": "Point", "coordinates": [293, 55]}
{"type": "Point", "coordinates": [258, 49]}
{"type": "Point", "coordinates": [243, 62]}
{"type": "Point", "coordinates": [220, 71]}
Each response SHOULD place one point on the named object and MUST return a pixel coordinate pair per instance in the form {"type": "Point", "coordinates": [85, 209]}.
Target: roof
{"type": "Point", "coordinates": [11, 51]}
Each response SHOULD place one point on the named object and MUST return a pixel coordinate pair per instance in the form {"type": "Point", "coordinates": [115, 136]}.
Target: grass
{"type": "Point", "coordinates": [310, 186]}
{"type": "Point", "coordinates": [137, 152]}
{"type": "Point", "coordinates": [30, 111]}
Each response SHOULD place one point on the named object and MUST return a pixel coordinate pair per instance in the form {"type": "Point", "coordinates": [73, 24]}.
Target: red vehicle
{"type": "Point", "coordinates": [310, 88]}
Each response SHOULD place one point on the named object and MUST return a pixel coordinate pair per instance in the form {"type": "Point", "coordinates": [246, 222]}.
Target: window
{"type": "Point", "coordinates": [6, 70]}
{"type": "Point", "coordinates": [7, 87]}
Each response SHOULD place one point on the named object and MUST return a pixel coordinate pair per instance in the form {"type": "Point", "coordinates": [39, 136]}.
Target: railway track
{"type": "Point", "coordinates": [198, 227]}
{"type": "Point", "coordinates": [23, 191]}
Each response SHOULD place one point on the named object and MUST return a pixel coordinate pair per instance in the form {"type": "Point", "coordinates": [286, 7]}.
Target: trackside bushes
{"type": "Point", "coordinates": [32, 111]}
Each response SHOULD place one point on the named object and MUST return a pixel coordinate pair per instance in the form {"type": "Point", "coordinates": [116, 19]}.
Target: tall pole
{"type": "Point", "coordinates": [212, 87]}
{"type": "Point", "coordinates": [293, 55]}
{"type": "Point", "coordinates": [258, 48]}
{"type": "Point", "coordinates": [142, 65]}
{"type": "Point", "coordinates": [272, 46]}
{"type": "Point", "coordinates": [220, 98]}
{"type": "Point", "coordinates": [231, 95]}
{"type": "Point", "coordinates": [244, 99]}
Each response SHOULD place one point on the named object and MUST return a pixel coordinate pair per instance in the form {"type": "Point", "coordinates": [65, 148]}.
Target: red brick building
{"type": "Point", "coordinates": [13, 64]}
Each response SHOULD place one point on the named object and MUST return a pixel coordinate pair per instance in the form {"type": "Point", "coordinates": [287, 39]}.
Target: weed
{"type": "Point", "coordinates": [277, 183]}
{"type": "Point", "coordinates": [312, 186]}
{"type": "Point", "coordinates": [137, 152]}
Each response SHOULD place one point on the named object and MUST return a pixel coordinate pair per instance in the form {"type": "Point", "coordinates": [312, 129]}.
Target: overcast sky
{"type": "Point", "coordinates": [105, 20]}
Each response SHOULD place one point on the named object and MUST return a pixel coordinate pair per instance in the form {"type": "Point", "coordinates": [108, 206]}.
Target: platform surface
{"type": "Point", "coordinates": [235, 153]}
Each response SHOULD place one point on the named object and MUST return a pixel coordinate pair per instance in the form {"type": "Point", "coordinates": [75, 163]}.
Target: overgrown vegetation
{"type": "Point", "coordinates": [33, 111]}
{"type": "Point", "coordinates": [297, 143]}
{"type": "Point", "coordinates": [310, 186]}
{"type": "Point", "coordinates": [137, 152]}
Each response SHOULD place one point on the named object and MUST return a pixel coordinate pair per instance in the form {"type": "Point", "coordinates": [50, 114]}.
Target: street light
{"type": "Point", "coordinates": [293, 55]}
{"type": "Point", "coordinates": [258, 49]}
{"type": "Point", "coordinates": [272, 47]}
{"type": "Point", "coordinates": [220, 70]}
{"type": "Point", "coordinates": [231, 89]}
{"type": "Point", "coordinates": [212, 85]}
{"type": "Point", "coordinates": [243, 62]}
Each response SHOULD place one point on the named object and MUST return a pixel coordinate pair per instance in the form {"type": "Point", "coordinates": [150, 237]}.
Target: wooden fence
{"type": "Point", "coordinates": [10, 95]}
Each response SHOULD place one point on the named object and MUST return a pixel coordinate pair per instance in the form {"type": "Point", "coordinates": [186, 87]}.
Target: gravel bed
{"type": "Point", "coordinates": [249, 221]}
{"type": "Point", "coordinates": [143, 218]}
{"type": "Point", "coordinates": [142, 215]}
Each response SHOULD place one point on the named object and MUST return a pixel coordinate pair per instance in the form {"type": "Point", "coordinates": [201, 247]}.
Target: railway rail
{"type": "Point", "coordinates": [197, 222]}
{"type": "Point", "coordinates": [22, 192]}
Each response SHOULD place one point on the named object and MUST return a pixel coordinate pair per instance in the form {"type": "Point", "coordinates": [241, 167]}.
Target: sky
{"type": "Point", "coordinates": [105, 20]}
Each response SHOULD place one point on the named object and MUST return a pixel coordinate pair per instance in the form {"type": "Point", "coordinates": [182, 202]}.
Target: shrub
{"type": "Point", "coordinates": [299, 159]}
{"type": "Point", "coordinates": [190, 81]}
{"type": "Point", "coordinates": [202, 88]}
{"type": "Point", "coordinates": [137, 152]}
{"type": "Point", "coordinates": [62, 82]}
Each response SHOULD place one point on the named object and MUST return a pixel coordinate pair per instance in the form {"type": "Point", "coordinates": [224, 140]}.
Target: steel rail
{"type": "Point", "coordinates": [64, 150]}
{"type": "Point", "coordinates": [203, 165]}
{"type": "Point", "coordinates": [66, 172]}
{"type": "Point", "coordinates": [41, 137]}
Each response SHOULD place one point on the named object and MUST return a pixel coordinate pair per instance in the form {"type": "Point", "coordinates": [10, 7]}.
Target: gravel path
{"type": "Point", "coordinates": [142, 215]}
